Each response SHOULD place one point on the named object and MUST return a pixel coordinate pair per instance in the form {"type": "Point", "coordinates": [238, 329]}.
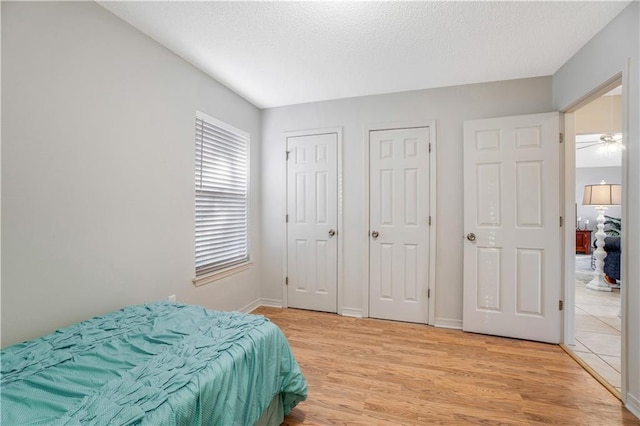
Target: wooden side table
{"type": "Point", "coordinates": [583, 242]}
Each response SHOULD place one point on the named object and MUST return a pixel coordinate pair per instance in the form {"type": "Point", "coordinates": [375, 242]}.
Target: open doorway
{"type": "Point", "coordinates": [598, 165]}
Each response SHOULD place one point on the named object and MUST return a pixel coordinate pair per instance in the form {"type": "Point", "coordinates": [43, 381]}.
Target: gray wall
{"type": "Point", "coordinates": [616, 49]}
{"type": "Point", "coordinates": [589, 176]}
{"type": "Point", "coordinates": [449, 107]}
{"type": "Point", "coordinates": [98, 169]}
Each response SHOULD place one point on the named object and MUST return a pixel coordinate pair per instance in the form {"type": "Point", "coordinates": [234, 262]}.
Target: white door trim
{"type": "Point", "coordinates": [340, 230]}
{"type": "Point", "coordinates": [628, 400]}
{"type": "Point", "coordinates": [567, 122]}
{"type": "Point", "coordinates": [431, 124]}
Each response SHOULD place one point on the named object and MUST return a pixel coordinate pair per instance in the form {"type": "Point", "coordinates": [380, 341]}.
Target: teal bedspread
{"type": "Point", "coordinates": [154, 364]}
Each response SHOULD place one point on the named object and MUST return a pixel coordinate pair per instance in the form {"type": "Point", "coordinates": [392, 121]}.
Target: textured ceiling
{"type": "Point", "coordinates": [282, 53]}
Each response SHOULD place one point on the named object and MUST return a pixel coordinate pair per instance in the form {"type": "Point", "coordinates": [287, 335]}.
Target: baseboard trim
{"type": "Point", "coordinates": [250, 307]}
{"type": "Point", "coordinates": [633, 405]}
{"type": "Point", "coordinates": [352, 312]}
{"type": "Point", "coordinates": [271, 303]}
{"type": "Point", "coordinates": [448, 323]}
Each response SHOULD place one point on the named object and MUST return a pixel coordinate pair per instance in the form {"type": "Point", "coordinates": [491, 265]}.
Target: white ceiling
{"type": "Point", "coordinates": [282, 53]}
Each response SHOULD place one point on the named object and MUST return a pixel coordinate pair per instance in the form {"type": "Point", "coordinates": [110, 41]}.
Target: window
{"type": "Point", "coordinates": [222, 203]}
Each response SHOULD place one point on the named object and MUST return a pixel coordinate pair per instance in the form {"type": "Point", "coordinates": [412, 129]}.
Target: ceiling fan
{"type": "Point", "coordinates": [606, 142]}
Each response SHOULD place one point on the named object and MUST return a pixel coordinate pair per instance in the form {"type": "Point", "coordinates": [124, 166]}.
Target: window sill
{"type": "Point", "coordinates": [223, 273]}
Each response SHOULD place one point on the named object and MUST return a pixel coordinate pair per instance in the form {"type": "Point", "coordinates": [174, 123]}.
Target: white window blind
{"type": "Point", "coordinates": [222, 203]}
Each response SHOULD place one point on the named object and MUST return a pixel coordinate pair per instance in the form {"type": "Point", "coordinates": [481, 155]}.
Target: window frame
{"type": "Point", "coordinates": [228, 270]}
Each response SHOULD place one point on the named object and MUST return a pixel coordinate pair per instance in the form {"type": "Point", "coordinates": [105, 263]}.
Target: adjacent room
{"type": "Point", "coordinates": [320, 212]}
{"type": "Point", "coordinates": [598, 339]}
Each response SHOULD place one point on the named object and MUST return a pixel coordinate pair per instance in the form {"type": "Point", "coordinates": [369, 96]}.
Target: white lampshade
{"type": "Point", "coordinates": [602, 194]}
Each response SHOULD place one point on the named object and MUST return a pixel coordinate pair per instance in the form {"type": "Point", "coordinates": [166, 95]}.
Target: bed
{"type": "Point", "coordinates": [154, 364]}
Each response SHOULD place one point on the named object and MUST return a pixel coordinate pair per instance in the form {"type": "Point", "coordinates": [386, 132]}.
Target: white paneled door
{"type": "Point", "coordinates": [312, 222]}
{"type": "Point", "coordinates": [512, 246]}
{"type": "Point", "coordinates": [399, 224]}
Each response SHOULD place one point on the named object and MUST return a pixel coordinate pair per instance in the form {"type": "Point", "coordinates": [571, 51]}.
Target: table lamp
{"type": "Point", "coordinates": [601, 195]}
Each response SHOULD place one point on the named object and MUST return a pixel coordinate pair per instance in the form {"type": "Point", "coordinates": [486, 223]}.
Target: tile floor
{"type": "Point", "coordinates": [598, 340]}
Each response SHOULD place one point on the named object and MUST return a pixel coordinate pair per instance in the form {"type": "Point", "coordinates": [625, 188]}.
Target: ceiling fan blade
{"type": "Point", "coordinates": [589, 146]}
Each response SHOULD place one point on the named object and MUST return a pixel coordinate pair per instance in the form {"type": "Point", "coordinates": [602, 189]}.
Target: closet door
{"type": "Point", "coordinates": [399, 224]}
{"type": "Point", "coordinates": [512, 225]}
{"type": "Point", "coordinates": [312, 222]}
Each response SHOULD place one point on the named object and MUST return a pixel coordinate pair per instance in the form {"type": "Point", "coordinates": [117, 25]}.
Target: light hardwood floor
{"type": "Point", "coordinates": [373, 372]}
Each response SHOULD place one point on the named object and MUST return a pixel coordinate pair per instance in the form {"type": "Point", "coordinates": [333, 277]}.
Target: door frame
{"type": "Point", "coordinates": [621, 78]}
{"type": "Point", "coordinates": [431, 125]}
{"type": "Point", "coordinates": [568, 243]}
{"type": "Point", "coordinates": [340, 228]}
